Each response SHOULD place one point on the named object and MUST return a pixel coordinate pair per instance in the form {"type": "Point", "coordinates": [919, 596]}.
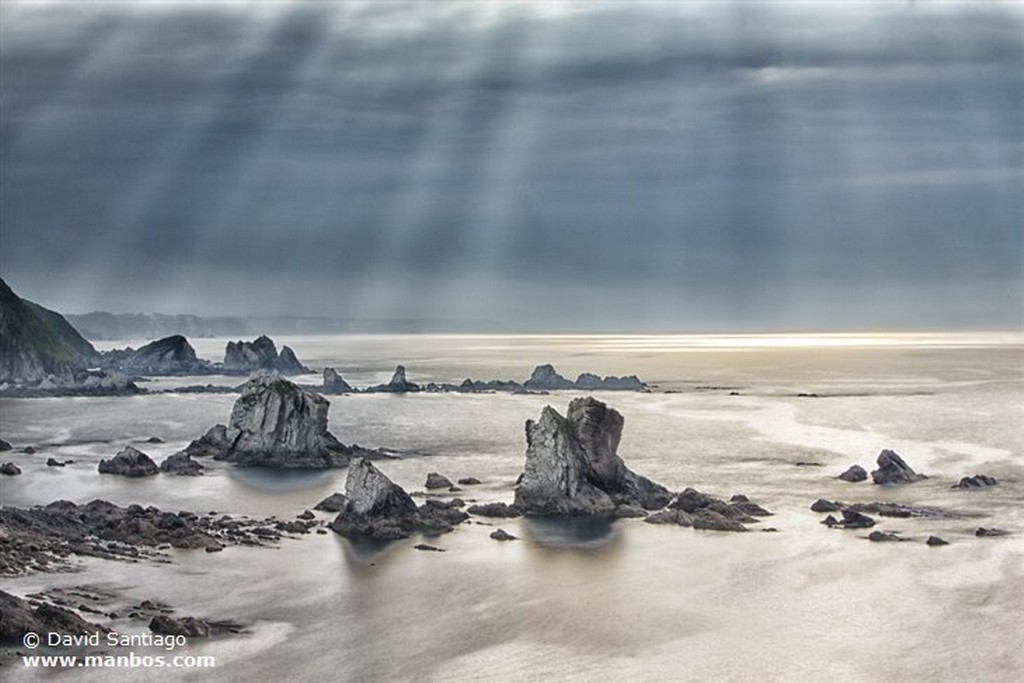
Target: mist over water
{"type": "Point", "coordinates": [589, 600]}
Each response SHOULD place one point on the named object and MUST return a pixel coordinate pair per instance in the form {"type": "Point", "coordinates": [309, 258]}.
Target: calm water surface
{"type": "Point", "coordinates": [592, 601]}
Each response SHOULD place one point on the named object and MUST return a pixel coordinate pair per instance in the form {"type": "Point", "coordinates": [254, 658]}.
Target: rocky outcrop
{"type": "Point", "coordinates": [190, 627]}
{"type": "Point", "coordinates": [19, 617]}
{"type": "Point", "coordinates": [181, 464]}
{"type": "Point", "coordinates": [495, 510]}
{"type": "Point", "coordinates": [588, 381]}
{"type": "Point", "coordinates": [214, 442]}
{"type": "Point", "coordinates": [10, 469]}
{"type": "Point", "coordinates": [851, 520]}
{"type": "Point", "coordinates": [468, 481]}
{"type": "Point", "coordinates": [546, 378]}
{"type": "Point", "coordinates": [4, 446]}
{"type": "Point", "coordinates": [335, 502]}
{"type": "Point", "coordinates": [168, 356]}
{"type": "Point", "coordinates": [398, 384]}
{"type": "Point", "coordinates": [41, 537]}
{"type": "Point", "coordinates": [976, 482]}
{"type": "Point", "coordinates": [334, 383]}
{"type": "Point", "coordinates": [274, 423]}
{"type": "Point", "coordinates": [572, 467]}
{"type": "Point", "coordinates": [703, 511]}
{"type": "Point", "coordinates": [936, 541]}
{"type": "Point", "coordinates": [129, 462]}
{"type": "Point", "coordinates": [376, 507]}
{"type": "Point", "coordinates": [893, 470]}
{"type": "Point", "coordinates": [37, 343]}
{"type": "Point", "coordinates": [502, 535]}
{"type": "Point", "coordinates": [438, 481]}
{"type": "Point", "coordinates": [244, 357]}
{"type": "Point", "coordinates": [854, 474]}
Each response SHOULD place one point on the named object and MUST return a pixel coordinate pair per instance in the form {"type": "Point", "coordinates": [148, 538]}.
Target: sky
{"type": "Point", "coordinates": [547, 166]}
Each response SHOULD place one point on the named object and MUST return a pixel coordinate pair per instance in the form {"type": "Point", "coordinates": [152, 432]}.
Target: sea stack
{"type": "Point", "coordinates": [275, 423]}
{"type": "Point", "coordinates": [573, 468]}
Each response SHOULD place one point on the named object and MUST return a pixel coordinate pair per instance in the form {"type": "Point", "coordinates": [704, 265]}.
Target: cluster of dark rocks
{"type": "Point", "coordinates": [572, 469]}
{"type": "Point", "coordinates": [543, 379]}
{"type": "Point", "coordinates": [40, 537]}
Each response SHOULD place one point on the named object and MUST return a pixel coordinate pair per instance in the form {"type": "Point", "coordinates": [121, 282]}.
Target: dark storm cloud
{"type": "Point", "coordinates": [706, 163]}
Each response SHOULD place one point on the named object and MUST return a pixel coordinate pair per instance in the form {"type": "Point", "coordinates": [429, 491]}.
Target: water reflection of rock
{"type": "Point", "coordinates": [365, 551]}
{"type": "Point", "coordinates": [572, 533]}
{"type": "Point", "coordinates": [273, 480]}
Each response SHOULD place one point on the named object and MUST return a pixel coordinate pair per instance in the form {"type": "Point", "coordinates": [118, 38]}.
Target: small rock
{"type": "Point", "coordinates": [893, 470]}
{"type": "Point", "coordinates": [28, 449]}
{"type": "Point", "coordinates": [822, 505]}
{"type": "Point", "coordinates": [186, 626]}
{"type": "Point", "coordinates": [468, 481]}
{"type": "Point", "coordinates": [977, 481]}
{"type": "Point", "coordinates": [936, 541]}
{"type": "Point", "coordinates": [53, 462]}
{"type": "Point", "coordinates": [982, 532]}
{"type": "Point", "coordinates": [5, 446]}
{"type": "Point", "coordinates": [181, 464]}
{"type": "Point", "coordinates": [438, 481]}
{"type": "Point", "coordinates": [154, 439]}
{"type": "Point", "coordinates": [854, 474]}
{"type": "Point", "coordinates": [306, 514]}
{"type": "Point", "coordinates": [335, 502]}
{"type": "Point", "coordinates": [502, 535]}
{"type": "Point", "coordinates": [10, 469]}
{"type": "Point", "coordinates": [428, 548]}
{"type": "Point", "coordinates": [129, 462]}
{"type": "Point", "coordinates": [883, 537]}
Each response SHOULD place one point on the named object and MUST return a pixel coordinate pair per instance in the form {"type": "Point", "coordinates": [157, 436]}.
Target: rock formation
{"type": "Point", "coordinates": [378, 508]}
{"type": "Point", "coordinates": [438, 481]}
{"type": "Point", "coordinates": [19, 617]}
{"type": "Point", "coordinates": [590, 381]}
{"type": "Point", "coordinates": [190, 627]}
{"type": "Point", "coordinates": [975, 482]}
{"type": "Point", "coordinates": [181, 464]}
{"type": "Point", "coordinates": [10, 469]}
{"type": "Point", "coordinates": [854, 474]}
{"type": "Point", "coordinates": [37, 343]}
{"type": "Point", "coordinates": [334, 383]}
{"type": "Point", "coordinates": [398, 384]}
{"type": "Point", "coordinates": [274, 423]}
{"type": "Point", "coordinates": [261, 354]}
{"type": "Point", "coordinates": [129, 462]}
{"type": "Point", "coordinates": [572, 467]}
{"type": "Point", "coordinates": [168, 356]}
{"type": "Point", "coordinates": [893, 470]}
{"type": "Point", "coordinates": [545, 378]}
{"type": "Point", "coordinates": [5, 446]}
{"type": "Point", "coordinates": [702, 511]}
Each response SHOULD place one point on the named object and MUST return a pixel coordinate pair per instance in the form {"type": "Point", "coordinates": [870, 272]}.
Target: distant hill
{"type": "Point", "coordinates": [36, 342]}
{"type": "Point", "coordinates": [146, 326]}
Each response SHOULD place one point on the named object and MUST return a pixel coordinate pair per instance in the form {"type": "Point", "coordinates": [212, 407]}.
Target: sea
{"type": "Point", "coordinates": [773, 417]}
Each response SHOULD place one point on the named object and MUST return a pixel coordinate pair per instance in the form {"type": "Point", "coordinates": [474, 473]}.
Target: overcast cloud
{"type": "Point", "coordinates": [635, 166]}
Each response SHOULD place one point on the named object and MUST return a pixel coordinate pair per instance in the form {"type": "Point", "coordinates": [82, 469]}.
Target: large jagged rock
{"type": "Point", "coordinates": [376, 507]}
{"type": "Point", "coordinates": [129, 462]}
{"type": "Point", "coordinates": [572, 467]}
{"type": "Point", "coordinates": [334, 383]}
{"type": "Point", "coordinates": [168, 356]}
{"type": "Point", "coordinates": [37, 343]}
{"type": "Point", "coordinates": [261, 354]}
{"type": "Point", "coordinates": [398, 384]}
{"type": "Point", "coordinates": [893, 470]}
{"type": "Point", "coordinates": [275, 423]}
{"type": "Point", "coordinates": [546, 378]}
